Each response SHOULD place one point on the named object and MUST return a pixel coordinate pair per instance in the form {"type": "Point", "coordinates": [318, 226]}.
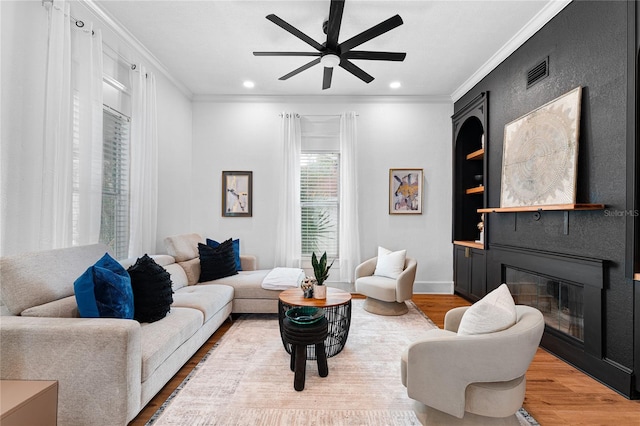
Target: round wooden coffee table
{"type": "Point", "coordinates": [337, 310]}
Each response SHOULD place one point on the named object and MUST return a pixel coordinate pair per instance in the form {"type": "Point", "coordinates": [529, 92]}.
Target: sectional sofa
{"type": "Point", "coordinates": [109, 369]}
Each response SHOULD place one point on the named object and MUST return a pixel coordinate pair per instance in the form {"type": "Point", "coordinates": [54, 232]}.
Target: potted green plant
{"type": "Point", "coordinates": [321, 272]}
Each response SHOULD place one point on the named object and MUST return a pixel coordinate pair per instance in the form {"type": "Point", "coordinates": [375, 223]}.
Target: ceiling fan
{"type": "Point", "coordinates": [331, 53]}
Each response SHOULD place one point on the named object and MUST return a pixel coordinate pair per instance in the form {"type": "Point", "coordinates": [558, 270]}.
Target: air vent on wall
{"type": "Point", "coordinates": [538, 72]}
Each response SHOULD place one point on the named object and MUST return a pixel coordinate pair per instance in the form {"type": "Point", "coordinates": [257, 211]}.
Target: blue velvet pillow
{"type": "Point", "coordinates": [236, 251]}
{"type": "Point", "coordinates": [104, 290]}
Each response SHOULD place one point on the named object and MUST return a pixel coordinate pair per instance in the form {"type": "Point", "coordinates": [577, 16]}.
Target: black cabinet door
{"type": "Point", "coordinates": [469, 272]}
{"type": "Point", "coordinates": [478, 274]}
{"type": "Point", "coordinates": [462, 270]}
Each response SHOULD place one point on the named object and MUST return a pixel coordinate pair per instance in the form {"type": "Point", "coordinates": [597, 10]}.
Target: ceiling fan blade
{"type": "Point", "coordinates": [374, 56]}
{"type": "Point", "coordinates": [356, 70]}
{"type": "Point", "coordinates": [375, 31]}
{"type": "Point", "coordinates": [326, 80]}
{"type": "Point", "coordinates": [335, 20]}
{"type": "Point", "coordinates": [296, 32]}
{"type": "Point", "coordinates": [286, 53]}
{"type": "Point", "coordinates": [299, 70]}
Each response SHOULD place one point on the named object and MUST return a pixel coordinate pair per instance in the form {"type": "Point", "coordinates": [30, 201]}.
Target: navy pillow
{"type": "Point", "coordinates": [236, 251]}
{"type": "Point", "coordinates": [152, 292]}
{"type": "Point", "coordinates": [216, 262]}
{"type": "Point", "coordinates": [104, 291]}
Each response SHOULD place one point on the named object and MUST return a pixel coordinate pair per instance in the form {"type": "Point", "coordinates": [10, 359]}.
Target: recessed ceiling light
{"type": "Point", "coordinates": [395, 85]}
{"type": "Point", "coordinates": [248, 84]}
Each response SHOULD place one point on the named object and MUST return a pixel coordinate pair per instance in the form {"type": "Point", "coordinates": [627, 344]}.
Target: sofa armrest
{"type": "Point", "coordinates": [248, 262]}
{"type": "Point", "coordinates": [96, 361]}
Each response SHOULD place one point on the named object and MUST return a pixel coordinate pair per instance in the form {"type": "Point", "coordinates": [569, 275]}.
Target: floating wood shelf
{"type": "Point", "coordinates": [471, 244]}
{"type": "Point", "coordinates": [476, 190]}
{"type": "Point", "coordinates": [556, 207]}
{"type": "Point", "coordinates": [476, 155]}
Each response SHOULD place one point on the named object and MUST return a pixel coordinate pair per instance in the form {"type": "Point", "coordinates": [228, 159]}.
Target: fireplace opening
{"type": "Point", "coordinates": [561, 302]}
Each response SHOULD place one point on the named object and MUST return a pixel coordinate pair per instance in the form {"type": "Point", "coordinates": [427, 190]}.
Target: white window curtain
{"type": "Point", "coordinates": [349, 235]}
{"type": "Point", "coordinates": [288, 244]}
{"type": "Point", "coordinates": [57, 178]}
{"type": "Point", "coordinates": [144, 165]}
{"type": "Point", "coordinates": [87, 83]}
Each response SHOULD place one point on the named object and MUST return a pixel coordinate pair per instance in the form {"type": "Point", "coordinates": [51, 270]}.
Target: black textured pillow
{"type": "Point", "coordinates": [152, 293]}
{"type": "Point", "coordinates": [216, 262]}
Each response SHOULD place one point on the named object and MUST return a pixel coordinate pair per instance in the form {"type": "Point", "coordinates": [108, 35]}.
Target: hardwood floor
{"type": "Point", "coordinates": [557, 394]}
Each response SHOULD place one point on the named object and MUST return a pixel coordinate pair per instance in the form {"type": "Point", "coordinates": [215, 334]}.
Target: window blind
{"type": "Point", "coordinates": [319, 198]}
{"type": "Point", "coordinates": [114, 228]}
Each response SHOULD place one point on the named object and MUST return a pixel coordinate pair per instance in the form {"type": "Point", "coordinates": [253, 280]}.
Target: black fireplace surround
{"type": "Point", "coordinates": [583, 348]}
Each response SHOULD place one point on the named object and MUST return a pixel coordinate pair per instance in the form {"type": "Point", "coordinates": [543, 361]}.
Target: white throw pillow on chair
{"type": "Point", "coordinates": [494, 312]}
{"type": "Point", "coordinates": [390, 264]}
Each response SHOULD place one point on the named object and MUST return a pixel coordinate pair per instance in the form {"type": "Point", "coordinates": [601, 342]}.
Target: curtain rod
{"type": "Point", "coordinates": [80, 24]}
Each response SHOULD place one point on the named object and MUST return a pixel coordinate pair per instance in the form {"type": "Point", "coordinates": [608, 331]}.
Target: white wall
{"type": "Point", "coordinates": [243, 135]}
{"type": "Point", "coordinates": [174, 160]}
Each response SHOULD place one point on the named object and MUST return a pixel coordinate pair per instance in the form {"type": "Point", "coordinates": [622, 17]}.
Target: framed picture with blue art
{"type": "Point", "coordinates": [405, 191]}
{"type": "Point", "coordinates": [237, 194]}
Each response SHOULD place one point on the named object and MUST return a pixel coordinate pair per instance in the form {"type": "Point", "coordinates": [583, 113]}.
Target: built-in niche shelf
{"type": "Point", "coordinates": [471, 244]}
{"type": "Point", "coordinates": [636, 276]}
{"type": "Point", "coordinates": [550, 207]}
{"type": "Point", "coordinates": [476, 190]}
{"type": "Point", "coordinates": [476, 155]}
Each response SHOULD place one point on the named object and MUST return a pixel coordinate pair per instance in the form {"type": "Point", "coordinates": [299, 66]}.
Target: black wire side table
{"type": "Point", "coordinates": [337, 311]}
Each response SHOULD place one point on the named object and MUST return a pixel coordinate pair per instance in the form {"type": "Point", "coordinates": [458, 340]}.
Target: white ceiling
{"type": "Point", "coordinates": [207, 45]}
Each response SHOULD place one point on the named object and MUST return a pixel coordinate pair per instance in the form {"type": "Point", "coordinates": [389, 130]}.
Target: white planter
{"type": "Point", "coordinates": [320, 291]}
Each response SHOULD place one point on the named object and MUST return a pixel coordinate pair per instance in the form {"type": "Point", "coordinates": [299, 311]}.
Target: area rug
{"type": "Point", "coordinates": [245, 379]}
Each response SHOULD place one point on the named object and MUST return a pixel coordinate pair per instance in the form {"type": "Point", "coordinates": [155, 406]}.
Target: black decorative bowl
{"type": "Point", "coordinates": [478, 178]}
{"type": "Point", "coordinates": [304, 314]}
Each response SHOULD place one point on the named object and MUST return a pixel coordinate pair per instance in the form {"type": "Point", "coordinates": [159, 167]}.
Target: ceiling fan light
{"type": "Point", "coordinates": [330, 60]}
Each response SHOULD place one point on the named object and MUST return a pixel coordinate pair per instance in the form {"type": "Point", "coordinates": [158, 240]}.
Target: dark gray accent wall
{"type": "Point", "coordinates": [587, 45]}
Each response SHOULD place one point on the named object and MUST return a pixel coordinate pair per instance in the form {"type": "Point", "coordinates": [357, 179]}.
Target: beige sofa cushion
{"type": "Point", "coordinates": [192, 270]}
{"type": "Point", "coordinates": [29, 280]}
{"type": "Point", "coordinates": [247, 285]}
{"type": "Point", "coordinates": [183, 247]}
{"type": "Point", "coordinates": [208, 299]}
{"type": "Point", "coordinates": [62, 308]}
{"type": "Point", "coordinates": [178, 276]}
{"type": "Point", "coordinates": [161, 338]}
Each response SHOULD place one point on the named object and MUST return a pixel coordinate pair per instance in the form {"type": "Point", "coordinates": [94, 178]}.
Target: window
{"type": "Point", "coordinates": [114, 227]}
{"type": "Point", "coordinates": [319, 199]}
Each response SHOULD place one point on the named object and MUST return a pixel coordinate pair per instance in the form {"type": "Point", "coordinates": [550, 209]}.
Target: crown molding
{"type": "Point", "coordinates": [134, 43]}
{"type": "Point", "coordinates": [322, 99]}
{"type": "Point", "coordinates": [550, 10]}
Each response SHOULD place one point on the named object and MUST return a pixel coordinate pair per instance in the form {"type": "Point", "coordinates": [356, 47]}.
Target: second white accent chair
{"type": "Point", "coordinates": [386, 286]}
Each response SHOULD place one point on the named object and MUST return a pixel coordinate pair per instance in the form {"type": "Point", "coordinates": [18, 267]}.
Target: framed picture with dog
{"type": "Point", "coordinates": [405, 191]}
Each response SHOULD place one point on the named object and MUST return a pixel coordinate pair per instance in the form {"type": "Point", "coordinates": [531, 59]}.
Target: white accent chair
{"type": "Point", "coordinates": [385, 296]}
{"type": "Point", "coordinates": [471, 379]}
